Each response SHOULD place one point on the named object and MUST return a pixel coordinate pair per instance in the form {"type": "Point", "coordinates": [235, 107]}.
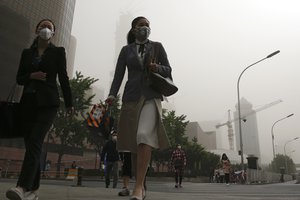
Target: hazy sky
{"type": "Point", "coordinates": [209, 43]}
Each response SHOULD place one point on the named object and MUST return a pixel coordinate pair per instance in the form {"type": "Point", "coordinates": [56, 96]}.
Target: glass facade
{"type": "Point", "coordinates": [18, 19]}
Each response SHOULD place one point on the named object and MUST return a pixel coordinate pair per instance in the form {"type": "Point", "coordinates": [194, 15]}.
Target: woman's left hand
{"type": "Point", "coordinates": [153, 67]}
{"type": "Point", "coordinates": [70, 111]}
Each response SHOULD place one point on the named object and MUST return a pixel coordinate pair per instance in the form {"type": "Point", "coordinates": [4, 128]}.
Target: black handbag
{"type": "Point", "coordinates": [163, 85]}
{"type": "Point", "coordinates": [10, 118]}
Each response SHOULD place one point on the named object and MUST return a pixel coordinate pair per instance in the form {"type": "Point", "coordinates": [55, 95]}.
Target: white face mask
{"type": "Point", "coordinates": [45, 33]}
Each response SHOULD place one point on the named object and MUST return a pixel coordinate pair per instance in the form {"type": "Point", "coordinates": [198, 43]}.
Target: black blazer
{"type": "Point", "coordinates": [53, 63]}
{"type": "Point", "coordinates": [137, 84]}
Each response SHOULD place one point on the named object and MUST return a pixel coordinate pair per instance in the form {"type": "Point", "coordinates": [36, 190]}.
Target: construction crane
{"type": "Point", "coordinates": [243, 117]}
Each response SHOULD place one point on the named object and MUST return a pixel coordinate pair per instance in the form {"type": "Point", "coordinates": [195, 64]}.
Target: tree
{"type": "Point", "coordinates": [209, 162]}
{"type": "Point", "coordinates": [280, 161]}
{"type": "Point", "coordinates": [71, 131]}
{"type": "Point", "coordinates": [175, 129]}
{"type": "Point", "coordinates": [194, 154]}
{"type": "Point", "coordinates": [199, 161]}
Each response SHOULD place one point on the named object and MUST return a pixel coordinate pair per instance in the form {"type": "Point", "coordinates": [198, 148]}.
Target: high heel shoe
{"type": "Point", "coordinates": [144, 194]}
{"type": "Point", "coordinates": [138, 198]}
{"type": "Point", "coordinates": [135, 198]}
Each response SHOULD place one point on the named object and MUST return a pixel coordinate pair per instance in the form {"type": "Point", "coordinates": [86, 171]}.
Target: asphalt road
{"type": "Point", "coordinates": [162, 190]}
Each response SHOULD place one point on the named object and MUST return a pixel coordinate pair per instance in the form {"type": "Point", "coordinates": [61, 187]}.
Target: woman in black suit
{"type": "Point", "coordinates": [38, 70]}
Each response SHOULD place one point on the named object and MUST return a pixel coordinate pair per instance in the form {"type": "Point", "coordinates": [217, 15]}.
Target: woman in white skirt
{"type": "Point", "coordinates": [140, 126]}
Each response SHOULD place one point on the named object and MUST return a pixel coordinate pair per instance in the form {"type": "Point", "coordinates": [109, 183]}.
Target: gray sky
{"type": "Point", "coordinates": [209, 43]}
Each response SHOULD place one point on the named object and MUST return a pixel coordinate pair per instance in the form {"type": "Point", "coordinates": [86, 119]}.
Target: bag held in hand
{"type": "Point", "coordinates": [99, 120]}
{"type": "Point", "coordinates": [163, 85]}
{"type": "Point", "coordinates": [10, 118]}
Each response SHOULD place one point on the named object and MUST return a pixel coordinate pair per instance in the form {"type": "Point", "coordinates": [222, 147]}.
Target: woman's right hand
{"type": "Point", "coordinates": [41, 76]}
{"type": "Point", "coordinates": [110, 100]}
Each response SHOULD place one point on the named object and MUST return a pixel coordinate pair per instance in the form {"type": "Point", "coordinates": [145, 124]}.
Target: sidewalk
{"type": "Point", "coordinates": [65, 192]}
{"type": "Point", "coordinates": [91, 190]}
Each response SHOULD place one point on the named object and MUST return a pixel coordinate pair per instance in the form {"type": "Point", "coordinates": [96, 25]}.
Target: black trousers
{"type": "Point", "coordinates": [37, 122]}
{"type": "Point", "coordinates": [178, 174]}
{"type": "Point", "coordinates": [112, 169]}
{"type": "Point", "coordinates": [227, 177]}
{"type": "Point", "coordinates": [126, 167]}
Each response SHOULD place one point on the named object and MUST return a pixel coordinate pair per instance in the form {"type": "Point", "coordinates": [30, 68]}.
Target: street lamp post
{"type": "Point", "coordinates": [272, 132]}
{"type": "Point", "coordinates": [286, 165]}
{"type": "Point", "coordinates": [239, 105]}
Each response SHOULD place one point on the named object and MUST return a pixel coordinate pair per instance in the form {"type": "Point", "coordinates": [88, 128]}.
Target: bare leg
{"type": "Point", "coordinates": [126, 181]}
{"type": "Point", "coordinates": [125, 190]}
{"type": "Point", "coordinates": [143, 159]}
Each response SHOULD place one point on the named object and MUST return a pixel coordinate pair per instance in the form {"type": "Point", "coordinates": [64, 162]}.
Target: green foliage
{"type": "Point", "coordinates": [209, 161]}
{"type": "Point", "coordinates": [194, 153]}
{"type": "Point", "coordinates": [175, 128]}
{"type": "Point", "coordinates": [282, 161]}
{"type": "Point", "coordinates": [115, 110]}
{"type": "Point", "coordinates": [199, 161]}
{"type": "Point", "coordinates": [71, 131]}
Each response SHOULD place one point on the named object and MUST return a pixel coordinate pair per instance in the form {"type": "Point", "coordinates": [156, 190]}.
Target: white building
{"type": "Point", "coordinates": [249, 130]}
{"type": "Point", "coordinates": [207, 138]}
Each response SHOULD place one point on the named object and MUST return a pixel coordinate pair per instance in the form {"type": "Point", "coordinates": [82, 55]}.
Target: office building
{"type": "Point", "coordinates": [249, 130]}
{"type": "Point", "coordinates": [207, 138]}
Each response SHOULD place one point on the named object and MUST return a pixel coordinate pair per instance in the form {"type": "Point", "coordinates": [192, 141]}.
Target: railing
{"type": "Point", "coordinates": [261, 176]}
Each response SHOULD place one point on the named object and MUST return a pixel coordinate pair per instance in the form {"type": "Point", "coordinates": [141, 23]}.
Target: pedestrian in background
{"type": "Point", "coordinates": [178, 162]}
{"type": "Point", "coordinates": [111, 156]}
{"type": "Point", "coordinates": [40, 65]}
{"type": "Point", "coordinates": [47, 169]}
{"type": "Point", "coordinates": [226, 166]}
{"type": "Point", "coordinates": [221, 174]}
{"type": "Point", "coordinates": [126, 172]}
{"type": "Point", "coordinates": [73, 165]}
{"type": "Point", "coordinates": [211, 175]}
{"type": "Point", "coordinates": [140, 126]}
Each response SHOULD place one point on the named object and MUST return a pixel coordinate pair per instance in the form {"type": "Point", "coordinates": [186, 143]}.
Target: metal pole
{"type": "Point", "coordinates": [239, 112]}
{"type": "Point", "coordinates": [272, 132]}
{"type": "Point", "coordinates": [240, 127]}
{"type": "Point", "coordinates": [286, 165]}
{"type": "Point", "coordinates": [239, 106]}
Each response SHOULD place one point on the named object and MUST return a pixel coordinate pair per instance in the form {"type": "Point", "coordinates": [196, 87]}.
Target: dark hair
{"type": "Point", "coordinates": [43, 20]}
{"type": "Point", "coordinates": [130, 35]}
{"type": "Point", "coordinates": [35, 41]}
{"type": "Point", "coordinates": [224, 157]}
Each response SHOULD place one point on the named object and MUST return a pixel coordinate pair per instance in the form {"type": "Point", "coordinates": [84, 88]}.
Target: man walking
{"type": "Point", "coordinates": [111, 156]}
{"type": "Point", "coordinates": [178, 162]}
